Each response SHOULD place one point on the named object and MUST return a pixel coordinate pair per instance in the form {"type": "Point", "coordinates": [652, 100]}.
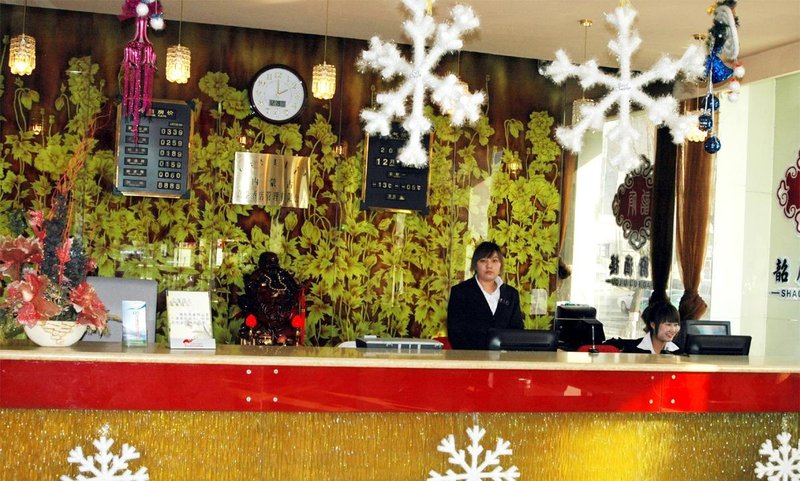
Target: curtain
{"type": "Point", "coordinates": [693, 197]}
{"type": "Point", "coordinates": [567, 180]}
{"type": "Point", "coordinates": [663, 213]}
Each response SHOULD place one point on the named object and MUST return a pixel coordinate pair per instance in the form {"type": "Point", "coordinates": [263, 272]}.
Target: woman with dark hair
{"type": "Point", "coordinates": [482, 302]}
{"type": "Point", "coordinates": [661, 325]}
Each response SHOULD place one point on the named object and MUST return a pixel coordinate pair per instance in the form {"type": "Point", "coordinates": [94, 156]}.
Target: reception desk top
{"type": "Point", "coordinates": [296, 379]}
{"type": "Point", "coordinates": [379, 358]}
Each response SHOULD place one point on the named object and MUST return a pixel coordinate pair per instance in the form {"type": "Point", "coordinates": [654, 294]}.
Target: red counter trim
{"type": "Point", "coordinates": [204, 387]}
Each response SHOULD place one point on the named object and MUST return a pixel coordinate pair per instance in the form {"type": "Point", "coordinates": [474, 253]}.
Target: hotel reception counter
{"type": "Point", "coordinates": [302, 413]}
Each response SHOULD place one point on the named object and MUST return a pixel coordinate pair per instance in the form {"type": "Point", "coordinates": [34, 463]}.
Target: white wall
{"type": "Point", "coordinates": [760, 135]}
{"type": "Point", "coordinates": [783, 316]}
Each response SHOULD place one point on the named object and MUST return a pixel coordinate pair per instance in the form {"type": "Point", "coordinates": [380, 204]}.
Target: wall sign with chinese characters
{"type": "Point", "coordinates": [155, 161]}
{"type": "Point", "coordinates": [389, 185]}
{"type": "Point", "coordinates": [789, 193]}
{"type": "Point", "coordinates": [786, 278]}
{"type": "Point", "coordinates": [270, 179]}
{"type": "Point", "coordinates": [632, 204]}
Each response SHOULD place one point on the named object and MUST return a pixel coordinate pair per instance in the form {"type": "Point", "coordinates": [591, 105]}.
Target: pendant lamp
{"type": "Point", "coordinates": [22, 50]}
{"type": "Point", "coordinates": [179, 58]}
{"type": "Point", "coordinates": [323, 78]}
{"type": "Point", "coordinates": [583, 101]}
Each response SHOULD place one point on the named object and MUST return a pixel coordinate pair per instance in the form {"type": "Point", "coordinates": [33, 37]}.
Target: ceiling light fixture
{"type": "Point", "coordinates": [323, 78]}
{"type": "Point", "coordinates": [582, 102]}
{"type": "Point", "coordinates": [179, 58]}
{"type": "Point", "coordinates": [22, 50]}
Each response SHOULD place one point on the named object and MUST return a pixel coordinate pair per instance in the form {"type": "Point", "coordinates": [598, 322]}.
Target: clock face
{"type": "Point", "coordinates": [277, 93]}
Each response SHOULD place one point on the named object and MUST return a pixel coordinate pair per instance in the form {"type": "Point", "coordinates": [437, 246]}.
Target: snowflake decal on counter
{"type": "Point", "coordinates": [626, 89]}
{"type": "Point", "coordinates": [105, 466]}
{"type": "Point", "coordinates": [448, 92]}
{"type": "Point", "coordinates": [474, 469]}
{"type": "Point", "coordinates": [783, 462]}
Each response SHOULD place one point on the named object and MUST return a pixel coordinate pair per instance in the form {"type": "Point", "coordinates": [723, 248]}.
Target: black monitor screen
{"type": "Point", "coordinates": [716, 328]}
{"type": "Point", "coordinates": [522, 340]}
{"type": "Point", "coordinates": [574, 333]}
{"type": "Point", "coordinates": [576, 311]}
{"type": "Point", "coordinates": [721, 345]}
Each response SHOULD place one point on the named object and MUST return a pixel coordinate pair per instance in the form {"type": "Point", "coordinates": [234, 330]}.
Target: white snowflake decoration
{"type": "Point", "coordinates": [450, 94]}
{"type": "Point", "coordinates": [626, 89]}
{"type": "Point", "coordinates": [475, 469]}
{"type": "Point", "coordinates": [783, 462]}
{"type": "Point", "coordinates": [105, 466]}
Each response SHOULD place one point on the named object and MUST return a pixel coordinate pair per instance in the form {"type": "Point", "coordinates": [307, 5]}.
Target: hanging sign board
{"type": "Point", "coordinates": [388, 185]}
{"type": "Point", "coordinates": [155, 162]}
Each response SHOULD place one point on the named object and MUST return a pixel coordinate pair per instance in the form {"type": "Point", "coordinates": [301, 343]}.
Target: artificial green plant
{"type": "Point", "coordinates": [368, 272]}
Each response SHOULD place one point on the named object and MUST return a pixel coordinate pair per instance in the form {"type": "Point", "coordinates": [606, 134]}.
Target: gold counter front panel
{"type": "Point", "coordinates": [192, 446]}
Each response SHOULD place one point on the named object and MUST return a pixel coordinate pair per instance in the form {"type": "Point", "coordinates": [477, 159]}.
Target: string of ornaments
{"type": "Point", "coordinates": [139, 58]}
{"type": "Point", "coordinates": [418, 78]}
{"type": "Point", "coordinates": [626, 88]}
{"type": "Point", "coordinates": [723, 45]}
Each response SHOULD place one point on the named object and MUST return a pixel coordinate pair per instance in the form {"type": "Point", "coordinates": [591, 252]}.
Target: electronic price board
{"type": "Point", "coordinates": [154, 161]}
{"type": "Point", "coordinates": [389, 185]}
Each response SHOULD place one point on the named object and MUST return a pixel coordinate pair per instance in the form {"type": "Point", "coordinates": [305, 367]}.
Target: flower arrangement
{"type": "Point", "coordinates": [47, 272]}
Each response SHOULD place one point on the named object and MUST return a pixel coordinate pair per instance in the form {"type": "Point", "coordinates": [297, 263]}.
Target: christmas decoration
{"type": "Point", "coordinates": [105, 466]}
{"type": "Point", "coordinates": [626, 89]}
{"type": "Point", "coordinates": [474, 469]}
{"type": "Point", "coordinates": [139, 60]}
{"type": "Point", "coordinates": [723, 41]}
{"type": "Point", "coordinates": [783, 462]}
{"type": "Point", "coordinates": [449, 93]}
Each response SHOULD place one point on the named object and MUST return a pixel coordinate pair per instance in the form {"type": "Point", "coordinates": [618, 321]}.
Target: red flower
{"type": "Point", "coordinates": [87, 304]}
{"type": "Point", "coordinates": [36, 221]}
{"type": "Point", "coordinates": [16, 252]}
{"type": "Point", "coordinates": [62, 252]}
{"type": "Point", "coordinates": [29, 296]}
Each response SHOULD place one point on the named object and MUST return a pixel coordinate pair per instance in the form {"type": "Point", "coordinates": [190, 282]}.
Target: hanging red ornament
{"type": "Point", "coordinates": [139, 59]}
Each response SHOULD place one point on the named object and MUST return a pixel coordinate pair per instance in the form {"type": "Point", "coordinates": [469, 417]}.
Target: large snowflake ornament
{"type": "Point", "coordinates": [625, 89]}
{"type": "Point", "coordinates": [105, 466]}
{"type": "Point", "coordinates": [475, 469]}
{"type": "Point", "coordinates": [450, 94]}
{"type": "Point", "coordinates": [783, 462]}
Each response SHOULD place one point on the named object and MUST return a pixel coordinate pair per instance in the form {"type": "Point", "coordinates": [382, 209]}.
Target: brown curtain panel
{"type": "Point", "coordinates": [663, 213]}
{"type": "Point", "coordinates": [693, 198]}
{"type": "Point", "coordinates": [567, 181]}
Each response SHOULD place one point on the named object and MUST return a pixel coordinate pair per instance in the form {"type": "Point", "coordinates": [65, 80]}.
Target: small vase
{"type": "Point", "coordinates": [55, 333]}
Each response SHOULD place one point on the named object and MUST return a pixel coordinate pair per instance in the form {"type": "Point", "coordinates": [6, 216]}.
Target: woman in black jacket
{"type": "Point", "coordinates": [482, 302]}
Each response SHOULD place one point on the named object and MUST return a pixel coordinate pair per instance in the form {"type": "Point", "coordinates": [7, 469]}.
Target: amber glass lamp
{"type": "Point", "coordinates": [179, 58]}
{"type": "Point", "coordinates": [323, 77]}
{"type": "Point", "coordinates": [22, 50]}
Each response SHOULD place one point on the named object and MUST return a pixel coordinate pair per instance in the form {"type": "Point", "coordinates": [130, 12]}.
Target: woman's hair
{"type": "Point", "coordinates": [659, 312]}
{"type": "Point", "coordinates": [484, 250]}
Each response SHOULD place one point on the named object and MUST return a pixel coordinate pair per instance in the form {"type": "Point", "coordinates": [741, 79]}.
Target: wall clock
{"type": "Point", "coordinates": [277, 93]}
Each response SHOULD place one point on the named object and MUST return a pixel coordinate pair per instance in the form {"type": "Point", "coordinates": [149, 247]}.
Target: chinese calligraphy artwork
{"type": "Point", "coordinates": [632, 204]}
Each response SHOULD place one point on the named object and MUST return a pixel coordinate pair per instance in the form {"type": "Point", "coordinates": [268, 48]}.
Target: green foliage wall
{"type": "Point", "coordinates": [370, 272]}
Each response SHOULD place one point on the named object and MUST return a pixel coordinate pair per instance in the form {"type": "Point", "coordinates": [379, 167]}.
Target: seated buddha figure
{"type": "Point", "coordinates": [269, 304]}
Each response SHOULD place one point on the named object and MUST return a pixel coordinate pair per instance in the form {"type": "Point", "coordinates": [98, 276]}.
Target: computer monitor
{"type": "Point", "coordinates": [703, 327]}
{"type": "Point", "coordinates": [576, 311]}
{"type": "Point", "coordinates": [577, 325]}
{"type": "Point", "coordinates": [522, 340]}
{"type": "Point", "coordinates": [720, 345]}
